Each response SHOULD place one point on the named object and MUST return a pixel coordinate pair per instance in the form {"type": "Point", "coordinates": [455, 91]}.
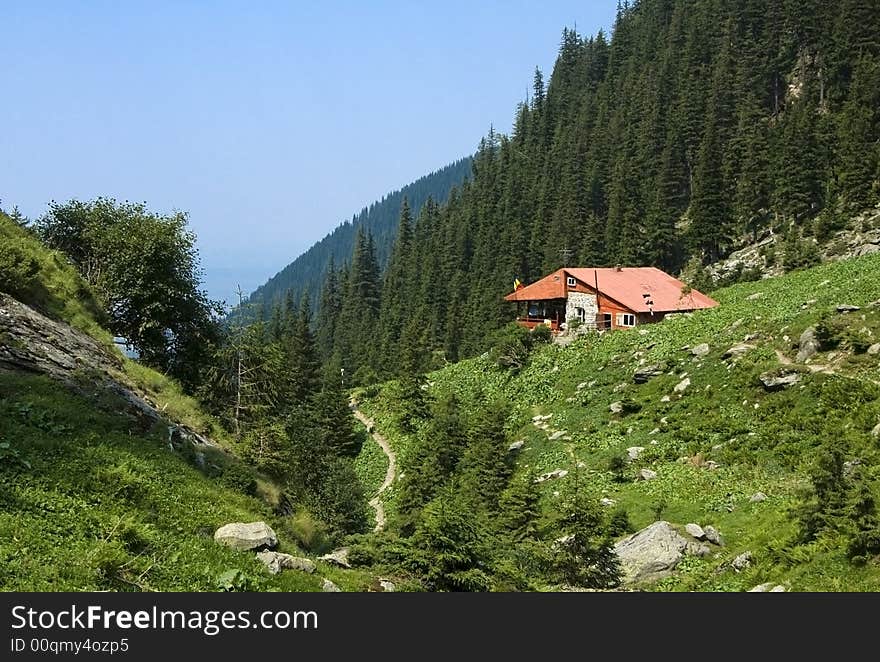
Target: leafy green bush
{"type": "Point", "coordinates": [18, 268]}
{"type": "Point", "coordinates": [511, 346]}
{"type": "Point", "coordinates": [542, 333]}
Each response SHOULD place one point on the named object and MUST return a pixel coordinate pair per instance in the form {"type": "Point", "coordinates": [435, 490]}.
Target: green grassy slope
{"type": "Point", "coordinates": [89, 498]}
{"type": "Point", "coordinates": [761, 441]}
{"type": "Point", "coordinates": [90, 502]}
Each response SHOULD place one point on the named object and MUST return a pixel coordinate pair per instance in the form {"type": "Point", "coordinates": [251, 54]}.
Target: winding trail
{"type": "Point", "coordinates": [390, 473]}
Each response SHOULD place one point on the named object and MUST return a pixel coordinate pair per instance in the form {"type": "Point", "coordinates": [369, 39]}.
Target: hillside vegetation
{"type": "Point", "coordinates": [695, 128]}
{"type": "Point", "coordinates": [711, 431]}
{"type": "Point", "coordinates": [98, 494]}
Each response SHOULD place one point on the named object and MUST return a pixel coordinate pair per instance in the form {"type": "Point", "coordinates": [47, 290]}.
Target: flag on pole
{"type": "Point", "coordinates": [517, 284]}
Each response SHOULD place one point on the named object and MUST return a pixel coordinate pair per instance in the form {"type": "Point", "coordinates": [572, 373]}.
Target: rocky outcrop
{"type": "Point", "coordinates": [737, 350]}
{"type": "Point", "coordinates": [652, 553]}
{"type": "Point", "coordinates": [337, 557]}
{"type": "Point", "coordinates": [32, 342]}
{"type": "Point", "coordinates": [646, 373]}
{"type": "Point", "coordinates": [807, 345]}
{"type": "Point", "coordinates": [646, 474]}
{"type": "Point", "coordinates": [277, 561]}
{"type": "Point", "coordinates": [245, 536]}
{"type": "Point", "coordinates": [329, 587]}
{"type": "Point", "coordinates": [776, 380]}
{"type": "Point", "coordinates": [700, 350]}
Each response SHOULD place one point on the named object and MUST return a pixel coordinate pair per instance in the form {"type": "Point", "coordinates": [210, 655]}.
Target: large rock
{"type": "Point", "coordinates": [742, 561]}
{"type": "Point", "coordinates": [276, 562]}
{"type": "Point", "coordinates": [337, 557]}
{"type": "Point", "coordinates": [758, 497]}
{"type": "Point", "coordinates": [516, 445]}
{"type": "Point", "coordinates": [776, 380]}
{"type": "Point", "coordinates": [713, 535]}
{"type": "Point", "coordinates": [329, 587]}
{"type": "Point", "coordinates": [737, 350]}
{"type": "Point", "coordinates": [650, 554]}
{"type": "Point", "coordinates": [646, 373]}
{"type": "Point", "coordinates": [244, 536]}
{"type": "Point", "coordinates": [682, 385]}
{"type": "Point", "coordinates": [616, 407]}
{"type": "Point", "coordinates": [559, 434]}
{"type": "Point", "coordinates": [695, 530]}
{"type": "Point", "coordinates": [646, 474]}
{"type": "Point", "coordinates": [808, 345]}
{"type": "Point", "coordinates": [700, 350]}
{"type": "Point", "coordinates": [874, 349]}
{"type": "Point", "coordinates": [847, 308]}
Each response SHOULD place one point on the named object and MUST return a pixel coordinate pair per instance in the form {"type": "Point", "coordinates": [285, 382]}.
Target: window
{"type": "Point", "coordinates": [606, 320]}
{"type": "Point", "coordinates": [581, 314]}
{"type": "Point", "coordinates": [626, 319]}
{"type": "Point", "coordinates": [571, 281]}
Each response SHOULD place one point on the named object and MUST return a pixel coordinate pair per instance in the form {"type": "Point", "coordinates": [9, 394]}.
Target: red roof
{"type": "Point", "coordinates": [626, 286]}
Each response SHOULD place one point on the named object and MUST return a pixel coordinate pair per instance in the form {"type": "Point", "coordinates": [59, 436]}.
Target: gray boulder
{"type": "Point", "coordinates": [337, 557]}
{"type": "Point", "coordinates": [646, 474]}
{"type": "Point", "coordinates": [516, 445]}
{"type": "Point", "coordinates": [682, 385]}
{"type": "Point", "coordinates": [847, 308]}
{"type": "Point", "coordinates": [616, 407]}
{"type": "Point", "coordinates": [244, 536]}
{"type": "Point", "coordinates": [650, 554]}
{"type": "Point", "coordinates": [737, 350]}
{"type": "Point", "coordinates": [700, 350]}
{"type": "Point", "coordinates": [808, 345]}
{"type": "Point", "coordinates": [647, 373]}
{"type": "Point", "coordinates": [557, 435]}
{"type": "Point", "coordinates": [387, 586]}
{"type": "Point", "coordinates": [277, 561]}
{"type": "Point", "coordinates": [758, 497]}
{"type": "Point", "coordinates": [874, 349]}
{"type": "Point", "coordinates": [742, 561]}
{"type": "Point", "coordinates": [776, 380]}
{"type": "Point", "coordinates": [713, 535]}
{"type": "Point", "coordinates": [329, 587]}
{"type": "Point", "coordinates": [695, 530]}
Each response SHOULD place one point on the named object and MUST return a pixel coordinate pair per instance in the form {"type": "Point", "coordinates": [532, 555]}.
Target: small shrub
{"type": "Point", "coordinates": [542, 333]}
{"type": "Point", "coordinates": [511, 346]}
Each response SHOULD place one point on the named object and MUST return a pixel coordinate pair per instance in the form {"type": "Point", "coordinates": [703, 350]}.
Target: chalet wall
{"type": "Point", "coordinates": [582, 300]}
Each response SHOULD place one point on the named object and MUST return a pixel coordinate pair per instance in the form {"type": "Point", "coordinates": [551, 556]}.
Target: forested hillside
{"type": "Point", "coordinates": [306, 272]}
{"type": "Point", "coordinates": [700, 125]}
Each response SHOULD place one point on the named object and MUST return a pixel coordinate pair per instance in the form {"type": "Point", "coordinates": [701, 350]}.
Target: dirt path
{"type": "Point", "coordinates": [390, 474]}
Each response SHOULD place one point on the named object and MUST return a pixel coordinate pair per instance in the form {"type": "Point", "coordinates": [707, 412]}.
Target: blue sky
{"type": "Point", "coordinates": [269, 122]}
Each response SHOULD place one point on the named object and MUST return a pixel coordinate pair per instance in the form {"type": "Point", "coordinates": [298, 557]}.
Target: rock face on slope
{"type": "Point", "coordinates": [32, 342]}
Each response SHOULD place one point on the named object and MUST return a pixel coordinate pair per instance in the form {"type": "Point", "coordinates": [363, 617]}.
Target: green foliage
{"type": "Point", "coordinates": [542, 333]}
{"type": "Point", "coordinates": [511, 346]}
{"type": "Point", "coordinates": [144, 268]}
{"type": "Point", "coordinates": [42, 279]}
{"type": "Point", "coordinates": [107, 506]}
{"type": "Point", "coordinates": [448, 546]}
{"type": "Point", "coordinates": [584, 555]}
